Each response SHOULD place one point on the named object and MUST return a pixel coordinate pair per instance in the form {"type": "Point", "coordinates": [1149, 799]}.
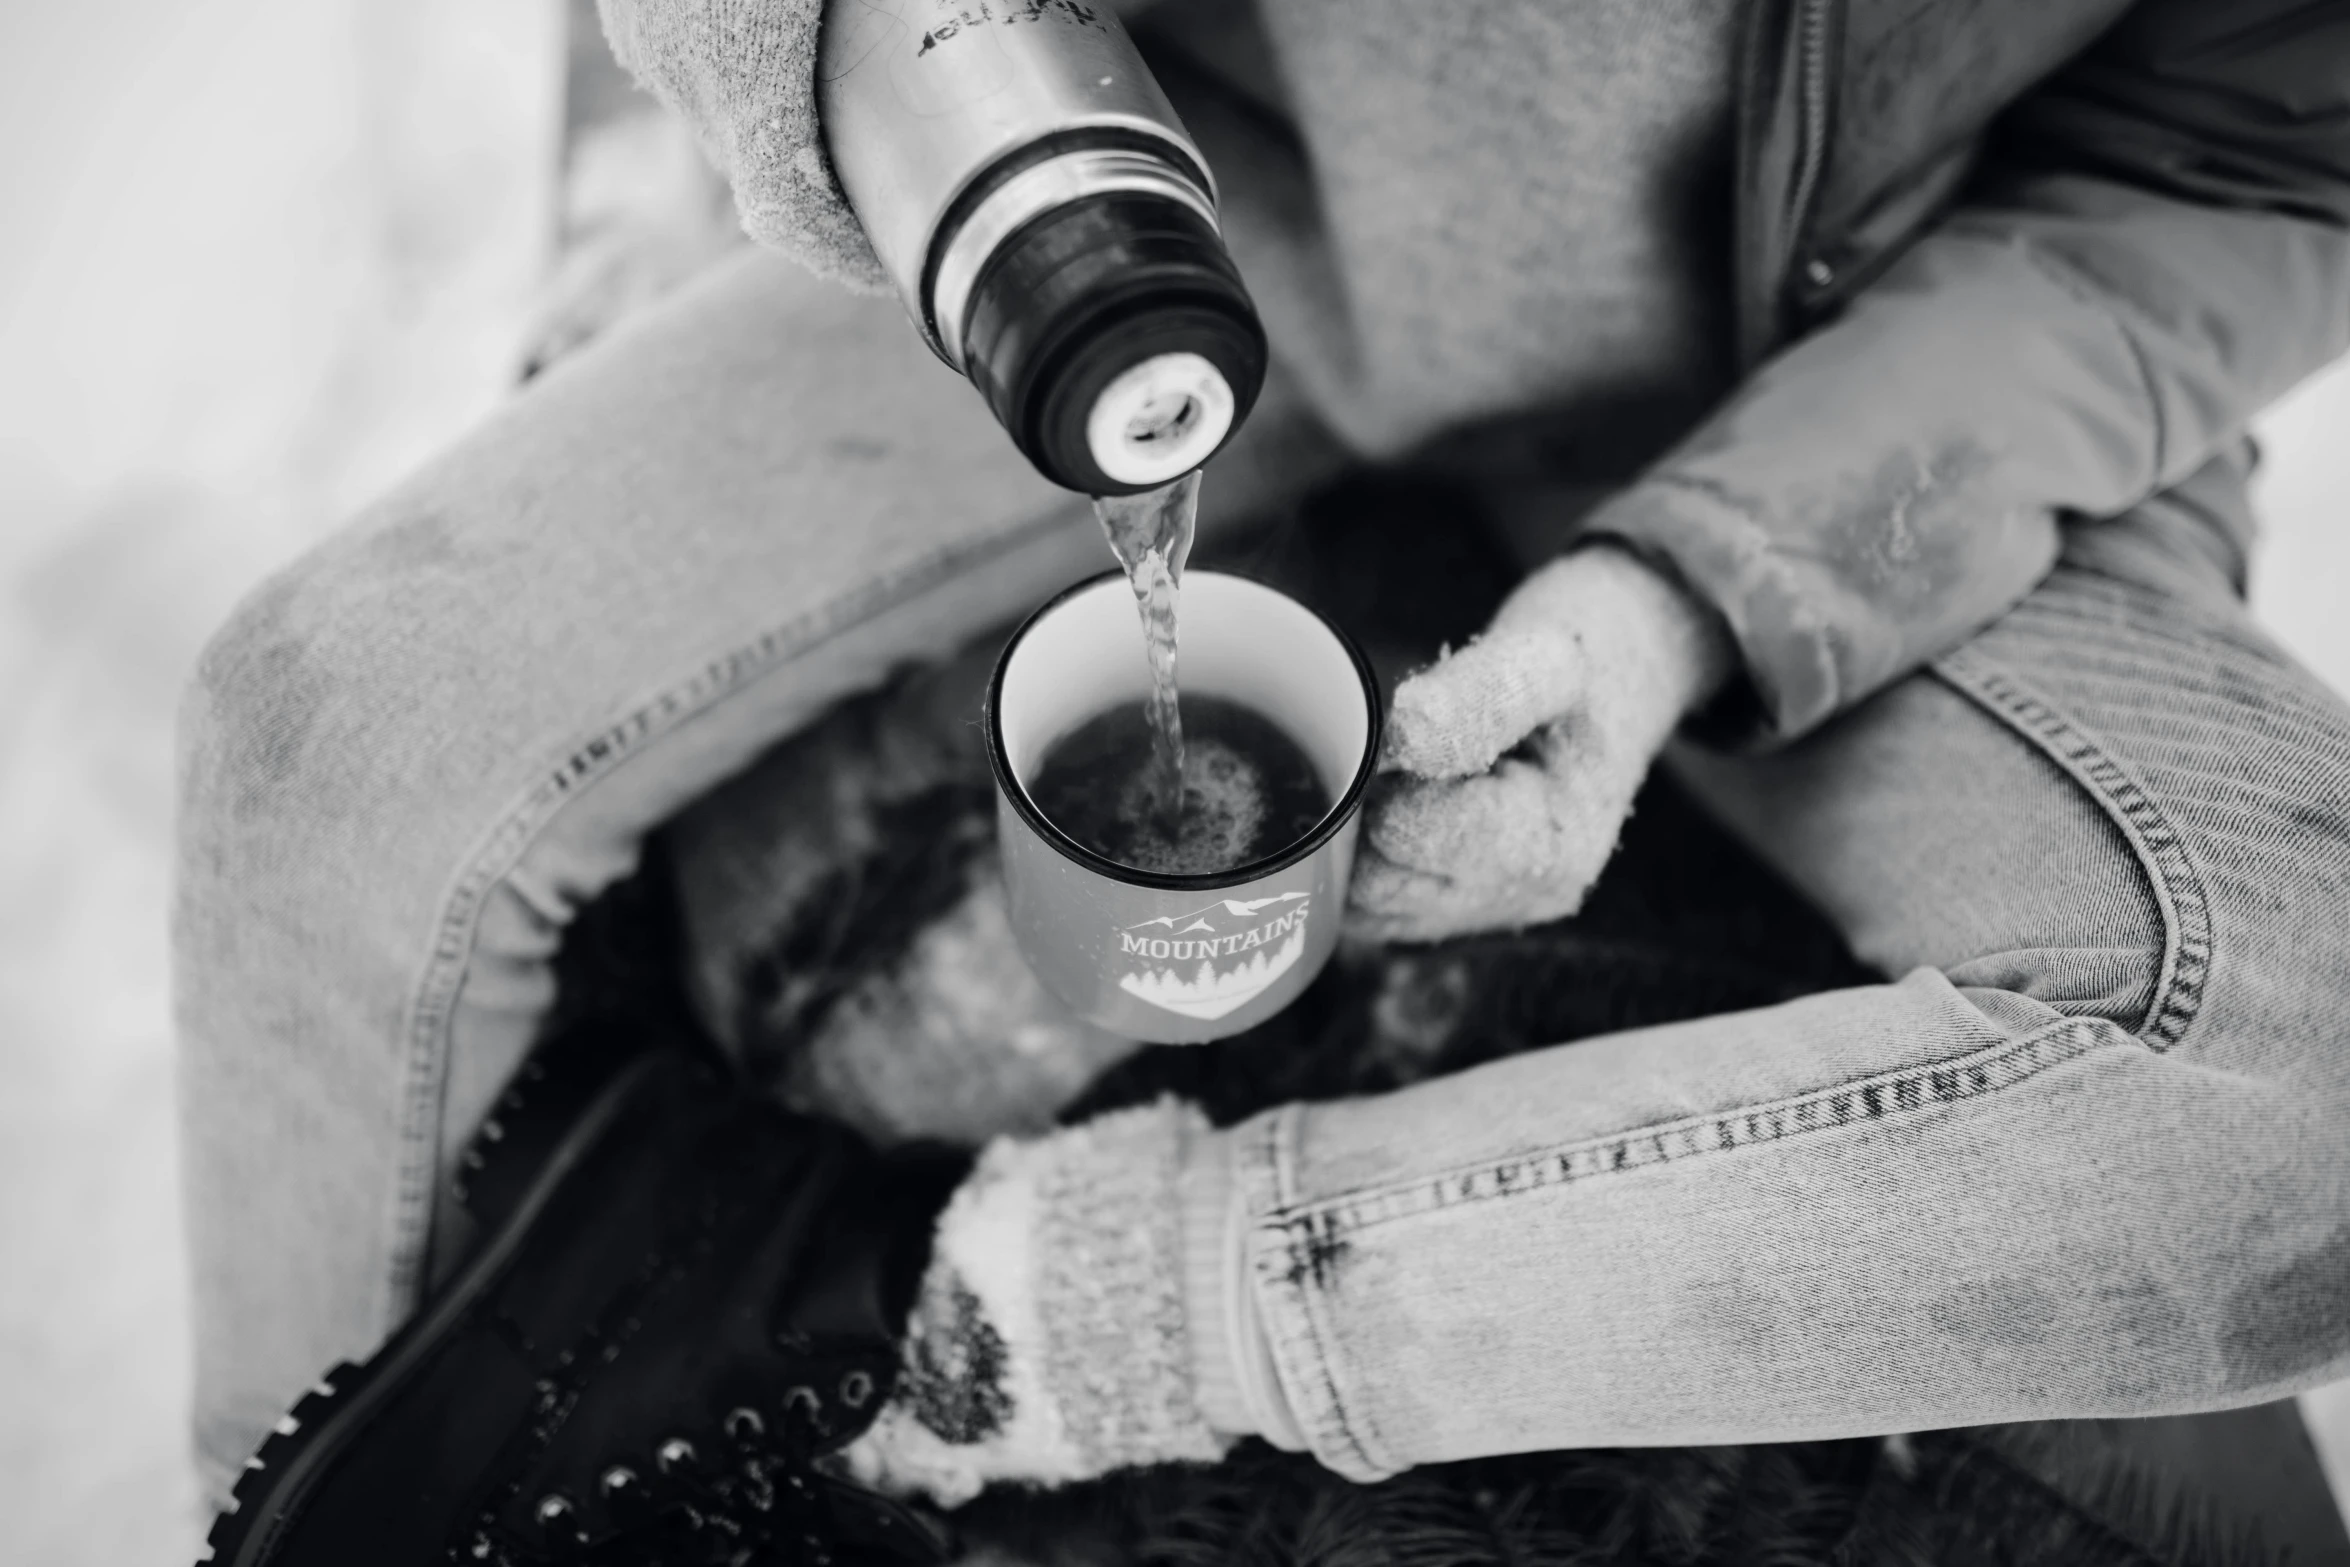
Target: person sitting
{"type": "Point", "coordinates": [1864, 387]}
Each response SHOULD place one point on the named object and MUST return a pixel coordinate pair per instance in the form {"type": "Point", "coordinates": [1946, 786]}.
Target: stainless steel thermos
{"type": "Point", "coordinates": [1050, 225]}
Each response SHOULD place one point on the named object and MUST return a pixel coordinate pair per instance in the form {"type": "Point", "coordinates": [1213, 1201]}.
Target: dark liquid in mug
{"type": "Point", "coordinates": [1248, 789]}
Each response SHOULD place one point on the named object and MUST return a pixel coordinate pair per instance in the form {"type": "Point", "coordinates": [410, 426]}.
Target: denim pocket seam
{"type": "Point", "coordinates": [2171, 872]}
{"type": "Point", "coordinates": [584, 762]}
{"type": "Point", "coordinates": [1878, 1098]}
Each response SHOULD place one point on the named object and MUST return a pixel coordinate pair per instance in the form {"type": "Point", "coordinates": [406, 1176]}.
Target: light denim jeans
{"type": "Point", "coordinates": [2089, 1155]}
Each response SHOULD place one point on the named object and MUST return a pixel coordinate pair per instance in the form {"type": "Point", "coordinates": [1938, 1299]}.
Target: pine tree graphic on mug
{"type": "Point", "coordinates": [1272, 942]}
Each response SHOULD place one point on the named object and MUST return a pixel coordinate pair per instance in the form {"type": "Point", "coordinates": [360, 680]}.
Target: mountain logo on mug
{"type": "Point", "coordinates": [1267, 947]}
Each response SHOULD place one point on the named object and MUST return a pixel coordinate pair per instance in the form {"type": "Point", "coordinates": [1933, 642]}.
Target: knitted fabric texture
{"type": "Point", "coordinates": [1048, 1344]}
{"type": "Point", "coordinates": [742, 73]}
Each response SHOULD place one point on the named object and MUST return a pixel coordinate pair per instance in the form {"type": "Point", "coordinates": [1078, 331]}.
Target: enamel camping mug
{"type": "Point", "coordinates": [1179, 959]}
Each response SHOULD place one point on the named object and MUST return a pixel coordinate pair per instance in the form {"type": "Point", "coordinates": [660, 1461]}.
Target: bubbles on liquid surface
{"type": "Point", "coordinates": [1222, 818]}
{"type": "Point", "coordinates": [1249, 790]}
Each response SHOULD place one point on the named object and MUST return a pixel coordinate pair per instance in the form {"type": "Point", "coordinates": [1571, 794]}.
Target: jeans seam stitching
{"type": "Point", "coordinates": [1875, 1099]}
{"type": "Point", "coordinates": [2185, 908]}
{"type": "Point", "coordinates": [584, 763]}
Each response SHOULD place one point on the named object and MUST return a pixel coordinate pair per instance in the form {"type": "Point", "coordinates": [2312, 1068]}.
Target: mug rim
{"type": "Point", "coordinates": [1340, 812]}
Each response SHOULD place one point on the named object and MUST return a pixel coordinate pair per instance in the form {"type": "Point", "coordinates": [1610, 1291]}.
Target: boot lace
{"type": "Point", "coordinates": [759, 1501]}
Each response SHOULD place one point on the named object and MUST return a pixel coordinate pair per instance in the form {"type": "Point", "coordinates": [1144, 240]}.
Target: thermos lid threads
{"type": "Point", "coordinates": [1113, 339]}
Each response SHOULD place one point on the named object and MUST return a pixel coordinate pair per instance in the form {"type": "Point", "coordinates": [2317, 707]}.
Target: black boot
{"type": "Point", "coordinates": [681, 1300]}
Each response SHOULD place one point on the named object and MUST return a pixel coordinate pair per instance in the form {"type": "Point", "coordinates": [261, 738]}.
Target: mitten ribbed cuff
{"type": "Point", "coordinates": [1109, 1288]}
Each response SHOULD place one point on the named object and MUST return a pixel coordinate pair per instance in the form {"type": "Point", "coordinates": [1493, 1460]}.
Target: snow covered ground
{"type": "Point", "coordinates": [260, 257]}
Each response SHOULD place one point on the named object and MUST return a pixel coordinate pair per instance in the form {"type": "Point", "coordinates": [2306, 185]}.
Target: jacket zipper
{"type": "Point", "coordinates": [1812, 91]}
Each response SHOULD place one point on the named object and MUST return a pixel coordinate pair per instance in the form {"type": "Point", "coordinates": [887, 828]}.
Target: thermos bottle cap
{"type": "Point", "coordinates": [1160, 419]}
{"type": "Point", "coordinates": [1050, 226]}
{"type": "Point", "coordinates": [1113, 339]}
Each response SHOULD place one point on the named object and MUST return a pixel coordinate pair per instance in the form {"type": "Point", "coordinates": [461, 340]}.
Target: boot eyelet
{"type": "Point", "coordinates": [855, 1388]}
{"type": "Point", "coordinates": [675, 1454]}
{"type": "Point", "coordinates": [617, 1481]}
{"type": "Point", "coordinates": [553, 1511]}
{"type": "Point", "coordinates": [743, 1426]}
{"type": "Point", "coordinates": [804, 1401]}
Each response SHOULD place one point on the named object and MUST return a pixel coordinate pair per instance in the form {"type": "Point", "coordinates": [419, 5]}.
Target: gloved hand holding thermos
{"type": "Point", "coordinates": [1015, 173]}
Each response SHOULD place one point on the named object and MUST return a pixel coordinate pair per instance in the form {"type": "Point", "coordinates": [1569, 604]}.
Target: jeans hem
{"type": "Point", "coordinates": [1303, 1345]}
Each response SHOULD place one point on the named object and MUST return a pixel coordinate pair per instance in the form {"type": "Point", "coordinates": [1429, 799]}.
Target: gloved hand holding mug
{"type": "Point", "coordinates": [1514, 761]}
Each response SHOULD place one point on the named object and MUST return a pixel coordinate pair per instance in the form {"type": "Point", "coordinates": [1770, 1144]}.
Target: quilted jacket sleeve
{"type": "Point", "coordinates": [2158, 244]}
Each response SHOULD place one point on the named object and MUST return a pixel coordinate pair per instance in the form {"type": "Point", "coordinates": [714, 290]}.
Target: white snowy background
{"type": "Point", "coordinates": [258, 257]}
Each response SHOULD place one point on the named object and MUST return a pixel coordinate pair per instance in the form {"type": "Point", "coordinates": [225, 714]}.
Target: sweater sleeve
{"type": "Point", "coordinates": [2157, 246]}
{"type": "Point", "coordinates": [742, 74]}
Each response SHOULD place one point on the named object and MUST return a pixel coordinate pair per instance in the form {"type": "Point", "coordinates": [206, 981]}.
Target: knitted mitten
{"type": "Point", "coordinates": [1049, 1342]}
{"type": "Point", "coordinates": [1521, 753]}
{"type": "Point", "coordinates": [742, 73]}
{"type": "Point", "coordinates": [957, 1042]}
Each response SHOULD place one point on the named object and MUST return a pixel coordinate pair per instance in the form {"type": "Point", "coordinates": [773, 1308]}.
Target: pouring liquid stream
{"type": "Point", "coordinates": [1151, 534]}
